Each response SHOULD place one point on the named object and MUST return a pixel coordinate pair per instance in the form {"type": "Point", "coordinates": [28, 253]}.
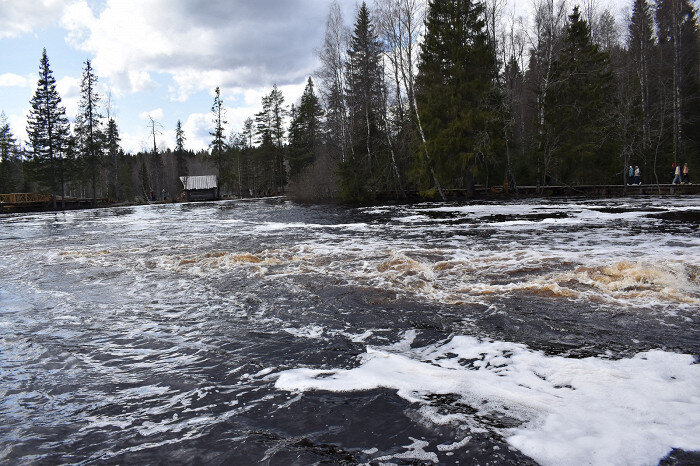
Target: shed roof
{"type": "Point", "coordinates": [199, 182]}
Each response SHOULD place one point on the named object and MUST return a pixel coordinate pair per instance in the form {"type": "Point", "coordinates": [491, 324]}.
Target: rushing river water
{"type": "Point", "coordinates": [263, 331]}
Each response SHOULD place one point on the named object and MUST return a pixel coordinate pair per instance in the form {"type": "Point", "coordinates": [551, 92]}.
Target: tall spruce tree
{"type": "Point", "coordinates": [180, 150]}
{"type": "Point", "coordinates": [113, 149]}
{"type": "Point", "coordinates": [580, 111]}
{"type": "Point", "coordinates": [88, 125]}
{"type": "Point", "coordinates": [362, 172]}
{"type": "Point", "coordinates": [304, 132]}
{"type": "Point", "coordinates": [218, 142]}
{"type": "Point", "coordinates": [48, 131]}
{"type": "Point", "coordinates": [455, 76]}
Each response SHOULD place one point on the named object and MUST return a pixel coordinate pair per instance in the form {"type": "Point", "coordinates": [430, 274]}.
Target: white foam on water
{"type": "Point", "coordinates": [414, 451]}
{"type": "Point", "coordinates": [309, 331]}
{"type": "Point", "coordinates": [455, 445]}
{"type": "Point", "coordinates": [358, 337]}
{"type": "Point", "coordinates": [570, 411]}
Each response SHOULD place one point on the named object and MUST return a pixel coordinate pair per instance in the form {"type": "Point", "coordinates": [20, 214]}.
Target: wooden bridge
{"type": "Point", "coordinates": [481, 192]}
{"type": "Point", "coordinates": [32, 202]}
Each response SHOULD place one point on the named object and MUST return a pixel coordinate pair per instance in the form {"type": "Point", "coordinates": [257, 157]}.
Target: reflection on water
{"type": "Point", "coordinates": [171, 332]}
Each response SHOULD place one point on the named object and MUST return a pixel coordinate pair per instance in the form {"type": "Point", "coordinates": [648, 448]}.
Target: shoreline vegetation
{"type": "Point", "coordinates": [414, 99]}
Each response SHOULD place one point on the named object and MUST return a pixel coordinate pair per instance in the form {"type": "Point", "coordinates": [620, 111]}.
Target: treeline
{"type": "Point", "coordinates": [414, 98]}
{"type": "Point", "coordinates": [453, 94]}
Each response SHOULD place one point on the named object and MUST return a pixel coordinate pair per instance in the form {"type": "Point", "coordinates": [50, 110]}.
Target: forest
{"type": "Point", "coordinates": [411, 98]}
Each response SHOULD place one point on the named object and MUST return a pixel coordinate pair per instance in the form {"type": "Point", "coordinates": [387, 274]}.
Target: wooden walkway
{"type": "Point", "coordinates": [30, 202]}
{"type": "Point", "coordinates": [583, 190]}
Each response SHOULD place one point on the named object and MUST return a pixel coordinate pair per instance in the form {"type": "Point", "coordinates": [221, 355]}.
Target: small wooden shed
{"type": "Point", "coordinates": [200, 188]}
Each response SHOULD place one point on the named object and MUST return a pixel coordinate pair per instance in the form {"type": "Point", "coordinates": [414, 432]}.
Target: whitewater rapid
{"type": "Point", "coordinates": [559, 332]}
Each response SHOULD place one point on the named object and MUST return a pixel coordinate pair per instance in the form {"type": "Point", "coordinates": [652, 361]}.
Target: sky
{"type": "Point", "coordinates": [164, 58]}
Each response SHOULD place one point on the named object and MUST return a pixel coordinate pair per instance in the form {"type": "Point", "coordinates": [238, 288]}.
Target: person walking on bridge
{"type": "Point", "coordinates": [677, 177]}
{"type": "Point", "coordinates": [637, 175]}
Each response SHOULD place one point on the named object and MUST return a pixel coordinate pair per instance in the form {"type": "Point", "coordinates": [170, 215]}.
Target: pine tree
{"type": "Point", "coordinates": [269, 128]}
{"type": "Point", "coordinates": [279, 113]}
{"type": "Point", "coordinates": [264, 154]}
{"type": "Point", "coordinates": [304, 132]}
{"type": "Point", "coordinates": [48, 130]}
{"type": "Point", "coordinates": [580, 111]}
{"type": "Point", "coordinates": [456, 75]}
{"type": "Point", "coordinates": [88, 124]}
{"type": "Point", "coordinates": [218, 143]}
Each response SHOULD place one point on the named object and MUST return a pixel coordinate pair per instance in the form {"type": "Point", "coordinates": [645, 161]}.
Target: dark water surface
{"type": "Point", "coordinates": [263, 331]}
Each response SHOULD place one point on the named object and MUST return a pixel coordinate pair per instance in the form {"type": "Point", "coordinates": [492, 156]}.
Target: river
{"type": "Point", "coordinates": [560, 331]}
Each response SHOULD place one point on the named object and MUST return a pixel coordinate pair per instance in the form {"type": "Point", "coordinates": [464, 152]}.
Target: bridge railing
{"type": "Point", "coordinates": [24, 198]}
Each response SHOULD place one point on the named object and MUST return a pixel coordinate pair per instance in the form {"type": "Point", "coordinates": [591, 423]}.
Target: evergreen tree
{"type": "Point", "coordinates": [8, 155]}
{"type": "Point", "coordinates": [580, 112]}
{"type": "Point", "coordinates": [269, 126]}
{"type": "Point", "coordinates": [8, 143]}
{"type": "Point", "coordinates": [362, 172]}
{"type": "Point", "coordinates": [218, 143]}
{"type": "Point", "coordinates": [304, 132]}
{"type": "Point", "coordinates": [456, 74]}
{"type": "Point", "coordinates": [264, 154]}
{"type": "Point", "coordinates": [48, 130]}
{"type": "Point", "coordinates": [279, 113]}
{"type": "Point", "coordinates": [88, 124]}
{"type": "Point", "coordinates": [180, 153]}
{"type": "Point", "coordinates": [113, 150]}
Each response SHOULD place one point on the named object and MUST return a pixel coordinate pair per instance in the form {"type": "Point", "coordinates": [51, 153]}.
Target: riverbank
{"type": "Point", "coordinates": [22, 203]}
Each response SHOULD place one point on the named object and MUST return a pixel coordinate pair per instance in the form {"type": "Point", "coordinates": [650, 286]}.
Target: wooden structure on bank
{"type": "Point", "coordinates": [32, 202]}
{"type": "Point", "coordinates": [582, 190]}
{"type": "Point", "coordinates": [200, 188]}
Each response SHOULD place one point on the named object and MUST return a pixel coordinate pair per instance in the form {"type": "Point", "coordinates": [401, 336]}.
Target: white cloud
{"type": "Point", "coordinates": [196, 128]}
{"type": "Point", "coordinates": [156, 114]}
{"type": "Point", "coordinates": [68, 87]}
{"type": "Point", "coordinates": [19, 17]}
{"type": "Point", "coordinates": [14, 80]}
{"type": "Point", "coordinates": [18, 125]}
{"type": "Point", "coordinates": [69, 90]}
{"type": "Point", "coordinates": [133, 144]}
{"type": "Point", "coordinates": [232, 44]}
